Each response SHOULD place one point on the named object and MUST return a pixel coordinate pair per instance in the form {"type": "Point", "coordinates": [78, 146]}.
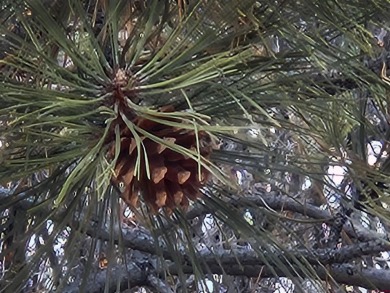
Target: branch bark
{"type": "Point", "coordinates": [326, 262]}
{"type": "Point", "coordinates": [353, 275]}
{"type": "Point", "coordinates": [126, 275]}
{"type": "Point", "coordinates": [342, 255]}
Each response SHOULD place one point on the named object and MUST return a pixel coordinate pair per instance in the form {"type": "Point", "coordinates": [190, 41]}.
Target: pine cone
{"type": "Point", "coordinates": [174, 177]}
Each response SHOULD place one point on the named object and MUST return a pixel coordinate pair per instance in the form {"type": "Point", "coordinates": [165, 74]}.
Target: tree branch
{"type": "Point", "coordinates": [243, 262]}
{"type": "Point", "coordinates": [348, 274]}
{"type": "Point", "coordinates": [285, 203]}
{"type": "Point", "coordinates": [246, 256]}
{"type": "Point", "coordinates": [247, 263]}
{"type": "Point", "coordinates": [126, 275]}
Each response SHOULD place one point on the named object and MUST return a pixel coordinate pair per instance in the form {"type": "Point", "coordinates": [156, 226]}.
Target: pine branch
{"type": "Point", "coordinates": [130, 274]}
{"type": "Point", "coordinates": [138, 273]}
{"type": "Point", "coordinates": [348, 274]}
{"type": "Point", "coordinates": [250, 264]}
{"type": "Point", "coordinates": [267, 200]}
{"type": "Point", "coordinates": [277, 202]}
{"type": "Point", "coordinates": [314, 257]}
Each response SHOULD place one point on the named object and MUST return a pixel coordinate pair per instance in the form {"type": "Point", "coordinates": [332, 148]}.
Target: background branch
{"type": "Point", "coordinates": [342, 273]}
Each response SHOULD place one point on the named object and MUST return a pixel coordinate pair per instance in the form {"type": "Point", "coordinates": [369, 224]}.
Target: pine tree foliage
{"type": "Point", "coordinates": [170, 144]}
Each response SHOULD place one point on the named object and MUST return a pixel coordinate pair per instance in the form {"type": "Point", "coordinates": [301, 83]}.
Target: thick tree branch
{"type": "Point", "coordinates": [158, 284]}
{"type": "Point", "coordinates": [133, 238]}
{"type": "Point", "coordinates": [143, 241]}
{"type": "Point", "coordinates": [353, 275]}
{"type": "Point", "coordinates": [126, 275]}
{"type": "Point", "coordinates": [242, 262]}
{"type": "Point", "coordinates": [323, 256]}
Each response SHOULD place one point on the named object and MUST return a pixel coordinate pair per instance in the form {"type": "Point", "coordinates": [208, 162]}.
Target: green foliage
{"type": "Point", "coordinates": [285, 83]}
